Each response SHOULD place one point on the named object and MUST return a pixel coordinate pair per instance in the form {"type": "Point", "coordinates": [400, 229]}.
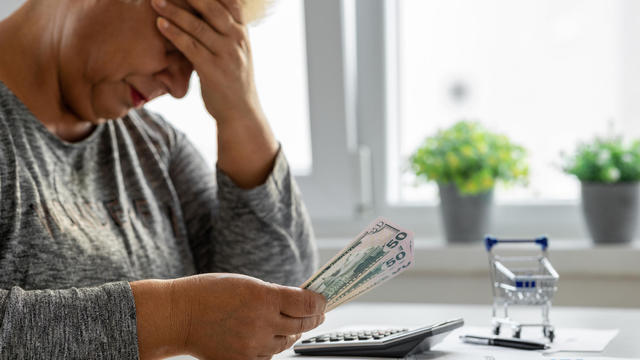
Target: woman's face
{"type": "Point", "coordinates": [112, 58]}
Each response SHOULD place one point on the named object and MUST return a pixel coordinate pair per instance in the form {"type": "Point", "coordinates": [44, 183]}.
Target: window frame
{"type": "Point", "coordinates": [332, 191]}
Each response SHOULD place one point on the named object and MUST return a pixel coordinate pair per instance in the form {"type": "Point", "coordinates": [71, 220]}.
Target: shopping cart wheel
{"type": "Point", "coordinates": [549, 333]}
{"type": "Point", "coordinates": [496, 329]}
{"type": "Point", "coordinates": [517, 332]}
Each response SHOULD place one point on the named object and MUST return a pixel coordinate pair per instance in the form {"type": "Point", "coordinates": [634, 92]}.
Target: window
{"type": "Point", "coordinates": [546, 73]}
{"type": "Point", "coordinates": [280, 61]}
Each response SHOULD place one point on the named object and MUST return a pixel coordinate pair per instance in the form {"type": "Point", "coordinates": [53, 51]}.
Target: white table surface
{"type": "Point", "coordinates": [625, 345]}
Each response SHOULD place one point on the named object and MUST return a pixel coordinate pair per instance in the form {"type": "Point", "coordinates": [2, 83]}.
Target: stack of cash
{"type": "Point", "coordinates": [382, 251]}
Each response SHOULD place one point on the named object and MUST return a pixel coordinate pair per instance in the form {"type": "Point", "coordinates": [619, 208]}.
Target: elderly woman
{"type": "Point", "coordinates": [108, 213]}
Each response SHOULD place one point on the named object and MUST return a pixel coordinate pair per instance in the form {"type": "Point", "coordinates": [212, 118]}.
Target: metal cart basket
{"type": "Point", "coordinates": [521, 280]}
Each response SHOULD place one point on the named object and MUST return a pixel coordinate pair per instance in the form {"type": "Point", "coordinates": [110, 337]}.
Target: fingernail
{"type": "Point", "coordinates": [163, 23]}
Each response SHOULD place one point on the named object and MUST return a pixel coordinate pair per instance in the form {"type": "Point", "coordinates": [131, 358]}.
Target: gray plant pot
{"type": "Point", "coordinates": [611, 211]}
{"type": "Point", "coordinates": [466, 218]}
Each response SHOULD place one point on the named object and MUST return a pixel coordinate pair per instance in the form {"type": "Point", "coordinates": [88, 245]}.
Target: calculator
{"type": "Point", "coordinates": [377, 343]}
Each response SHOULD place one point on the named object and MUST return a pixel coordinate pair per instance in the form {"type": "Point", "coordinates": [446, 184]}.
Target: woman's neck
{"type": "Point", "coordinates": [30, 69]}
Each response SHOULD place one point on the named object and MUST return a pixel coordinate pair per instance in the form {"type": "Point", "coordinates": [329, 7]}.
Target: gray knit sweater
{"type": "Point", "coordinates": [134, 200]}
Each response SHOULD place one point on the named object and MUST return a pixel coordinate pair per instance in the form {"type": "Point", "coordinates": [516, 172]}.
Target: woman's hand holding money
{"type": "Point", "coordinates": [222, 316]}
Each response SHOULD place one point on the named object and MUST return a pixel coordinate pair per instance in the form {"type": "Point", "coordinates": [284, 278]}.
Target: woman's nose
{"type": "Point", "coordinates": [176, 75]}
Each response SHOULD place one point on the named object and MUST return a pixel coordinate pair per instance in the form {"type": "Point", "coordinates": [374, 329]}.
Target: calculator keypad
{"type": "Point", "coordinates": [363, 335]}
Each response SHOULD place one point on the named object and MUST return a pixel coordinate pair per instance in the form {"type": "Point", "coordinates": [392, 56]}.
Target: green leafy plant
{"type": "Point", "coordinates": [607, 160]}
{"type": "Point", "coordinates": [470, 157]}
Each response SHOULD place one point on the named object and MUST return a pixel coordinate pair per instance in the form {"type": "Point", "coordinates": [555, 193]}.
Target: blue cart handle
{"type": "Point", "coordinates": [490, 242]}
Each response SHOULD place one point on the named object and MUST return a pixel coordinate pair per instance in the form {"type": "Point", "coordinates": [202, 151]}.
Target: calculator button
{"type": "Point", "coordinates": [335, 338]}
{"type": "Point", "coordinates": [308, 341]}
{"type": "Point", "coordinates": [349, 338]}
{"type": "Point", "coordinates": [319, 340]}
{"type": "Point", "coordinates": [364, 337]}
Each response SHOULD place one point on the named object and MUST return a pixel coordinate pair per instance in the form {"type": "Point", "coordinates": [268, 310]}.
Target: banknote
{"type": "Point", "coordinates": [380, 240]}
{"type": "Point", "coordinates": [387, 268]}
{"type": "Point", "coordinates": [372, 284]}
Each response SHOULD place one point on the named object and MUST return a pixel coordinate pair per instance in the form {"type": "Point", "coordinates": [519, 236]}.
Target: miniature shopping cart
{"type": "Point", "coordinates": [521, 280]}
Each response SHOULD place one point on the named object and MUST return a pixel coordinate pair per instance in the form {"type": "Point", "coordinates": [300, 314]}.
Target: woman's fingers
{"type": "Point", "coordinates": [190, 24]}
{"type": "Point", "coordinates": [289, 341]}
{"type": "Point", "coordinates": [281, 343]}
{"type": "Point", "coordinates": [217, 15]}
{"type": "Point", "coordinates": [297, 302]}
{"type": "Point", "coordinates": [235, 8]}
{"type": "Point", "coordinates": [287, 325]}
{"type": "Point", "coordinates": [192, 49]}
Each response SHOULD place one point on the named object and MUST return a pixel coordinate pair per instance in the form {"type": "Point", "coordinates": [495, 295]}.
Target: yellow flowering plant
{"type": "Point", "coordinates": [470, 157]}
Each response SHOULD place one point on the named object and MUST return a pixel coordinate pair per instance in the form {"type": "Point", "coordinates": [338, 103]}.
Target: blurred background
{"type": "Point", "coordinates": [353, 87]}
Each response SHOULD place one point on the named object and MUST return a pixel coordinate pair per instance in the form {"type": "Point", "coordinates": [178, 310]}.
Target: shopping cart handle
{"type": "Point", "coordinates": [490, 242]}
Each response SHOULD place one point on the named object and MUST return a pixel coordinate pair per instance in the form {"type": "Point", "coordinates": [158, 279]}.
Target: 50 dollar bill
{"type": "Point", "coordinates": [380, 239]}
{"type": "Point", "coordinates": [386, 269]}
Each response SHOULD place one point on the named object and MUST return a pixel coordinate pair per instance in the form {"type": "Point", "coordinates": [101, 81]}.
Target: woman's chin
{"type": "Point", "coordinates": [112, 113]}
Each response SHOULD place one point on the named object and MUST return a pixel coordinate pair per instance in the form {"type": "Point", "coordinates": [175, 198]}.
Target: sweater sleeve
{"type": "Point", "coordinates": [77, 323]}
{"type": "Point", "coordinates": [263, 232]}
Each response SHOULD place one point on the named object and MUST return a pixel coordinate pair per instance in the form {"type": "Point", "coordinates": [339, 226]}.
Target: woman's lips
{"type": "Point", "coordinates": [137, 98]}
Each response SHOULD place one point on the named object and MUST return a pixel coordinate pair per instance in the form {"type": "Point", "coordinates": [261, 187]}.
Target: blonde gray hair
{"type": "Point", "coordinates": [254, 9]}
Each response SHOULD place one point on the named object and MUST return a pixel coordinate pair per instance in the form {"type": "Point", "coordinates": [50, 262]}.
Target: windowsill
{"type": "Point", "coordinates": [574, 258]}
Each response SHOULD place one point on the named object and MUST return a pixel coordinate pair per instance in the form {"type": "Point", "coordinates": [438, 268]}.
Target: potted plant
{"type": "Point", "coordinates": [609, 171]}
{"type": "Point", "coordinates": [466, 161]}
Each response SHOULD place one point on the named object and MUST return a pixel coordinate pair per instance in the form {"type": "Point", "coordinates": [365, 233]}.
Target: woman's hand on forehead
{"type": "Point", "coordinates": [217, 44]}
{"type": "Point", "coordinates": [215, 40]}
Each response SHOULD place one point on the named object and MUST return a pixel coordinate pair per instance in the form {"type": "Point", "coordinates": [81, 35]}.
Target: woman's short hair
{"type": "Point", "coordinates": [256, 9]}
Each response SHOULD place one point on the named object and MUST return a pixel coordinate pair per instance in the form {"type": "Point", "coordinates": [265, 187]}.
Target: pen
{"type": "Point", "coordinates": [512, 343]}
